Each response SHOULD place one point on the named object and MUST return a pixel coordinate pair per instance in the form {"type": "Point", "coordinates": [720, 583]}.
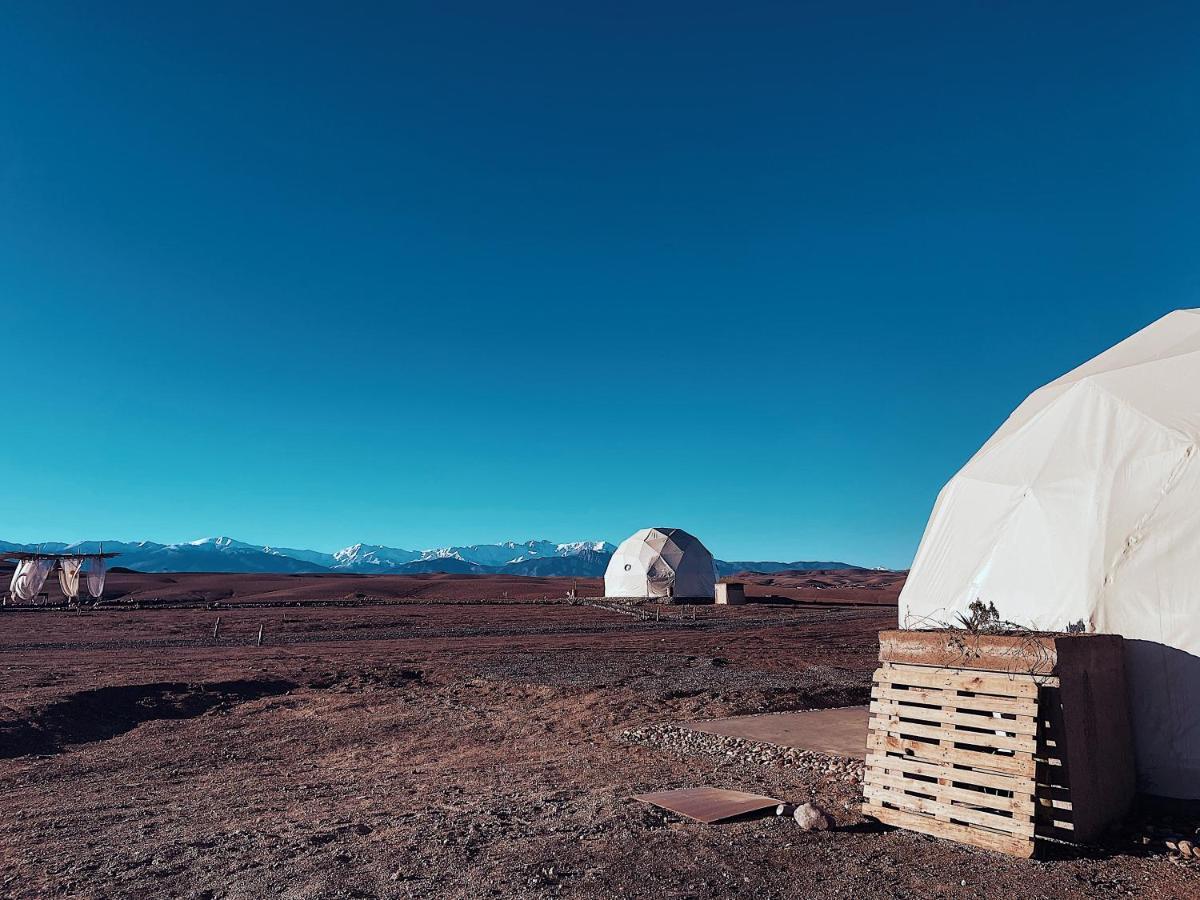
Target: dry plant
{"type": "Point", "coordinates": [1029, 655]}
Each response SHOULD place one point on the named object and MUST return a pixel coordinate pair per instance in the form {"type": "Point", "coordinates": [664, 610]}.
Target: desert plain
{"type": "Point", "coordinates": [456, 736]}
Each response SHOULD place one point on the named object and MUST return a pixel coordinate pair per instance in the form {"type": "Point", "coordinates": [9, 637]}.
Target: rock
{"type": "Point", "coordinates": [811, 817]}
{"type": "Point", "coordinates": [785, 809]}
{"type": "Point", "coordinates": [1187, 849]}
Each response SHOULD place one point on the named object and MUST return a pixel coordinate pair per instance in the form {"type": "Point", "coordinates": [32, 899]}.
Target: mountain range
{"type": "Point", "coordinates": [582, 559]}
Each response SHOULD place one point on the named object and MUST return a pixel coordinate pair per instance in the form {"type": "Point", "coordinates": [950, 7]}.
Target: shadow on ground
{"type": "Point", "coordinates": [104, 713]}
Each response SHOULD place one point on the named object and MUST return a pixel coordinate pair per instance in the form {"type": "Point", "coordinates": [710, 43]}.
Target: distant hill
{"type": "Point", "coordinates": [577, 559]}
{"type": "Point", "coordinates": [449, 566]}
{"type": "Point", "coordinates": [733, 567]}
{"type": "Point", "coordinates": [586, 564]}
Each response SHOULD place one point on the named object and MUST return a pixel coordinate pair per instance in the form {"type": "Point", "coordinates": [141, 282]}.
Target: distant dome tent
{"type": "Point", "coordinates": [1083, 512]}
{"type": "Point", "coordinates": [661, 562]}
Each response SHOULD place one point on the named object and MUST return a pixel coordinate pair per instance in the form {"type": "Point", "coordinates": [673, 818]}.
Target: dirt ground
{"type": "Point", "coordinates": [428, 749]}
{"type": "Point", "coordinates": [839, 586]}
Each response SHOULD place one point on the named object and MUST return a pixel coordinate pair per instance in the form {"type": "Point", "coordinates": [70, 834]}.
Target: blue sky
{"type": "Point", "coordinates": [415, 274]}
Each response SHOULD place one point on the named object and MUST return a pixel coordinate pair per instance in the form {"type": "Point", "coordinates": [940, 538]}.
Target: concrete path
{"type": "Point", "coordinates": [838, 732]}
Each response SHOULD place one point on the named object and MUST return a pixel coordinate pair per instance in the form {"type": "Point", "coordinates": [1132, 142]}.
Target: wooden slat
{"type": "Point", "coordinates": [1015, 705]}
{"type": "Point", "coordinates": [942, 742]}
{"type": "Point", "coordinates": [1022, 825]}
{"type": "Point", "coordinates": [889, 708]}
{"type": "Point", "coordinates": [1059, 818]}
{"type": "Point", "coordinates": [1023, 742]}
{"type": "Point", "coordinates": [938, 770]}
{"type": "Point", "coordinates": [976, 837]}
{"type": "Point", "coordinates": [947, 793]}
{"type": "Point", "coordinates": [949, 679]}
{"type": "Point", "coordinates": [1019, 764]}
{"type": "Point", "coordinates": [994, 653]}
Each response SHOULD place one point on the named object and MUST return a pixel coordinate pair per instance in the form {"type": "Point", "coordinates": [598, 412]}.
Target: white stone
{"type": "Point", "coordinates": [811, 817]}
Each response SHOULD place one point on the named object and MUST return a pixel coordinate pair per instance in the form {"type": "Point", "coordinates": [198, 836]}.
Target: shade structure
{"type": "Point", "coordinates": [1083, 511]}
{"type": "Point", "coordinates": [661, 562]}
{"type": "Point", "coordinates": [34, 567]}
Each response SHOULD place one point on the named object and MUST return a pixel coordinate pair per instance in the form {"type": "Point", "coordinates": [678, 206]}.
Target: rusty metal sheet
{"type": "Point", "coordinates": [708, 804]}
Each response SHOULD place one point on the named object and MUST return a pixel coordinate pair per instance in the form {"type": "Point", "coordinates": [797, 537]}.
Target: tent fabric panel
{"type": "Point", "coordinates": [1084, 506]}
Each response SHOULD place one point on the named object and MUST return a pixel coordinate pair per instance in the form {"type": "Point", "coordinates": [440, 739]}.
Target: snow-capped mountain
{"type": "Point", "coordinates": [215, 554]}
{"type": "Point", "coordinates": [581, 559]}
{"type": "Point", "coordinates": [510, 552]}
{"type": "Point", "coordinates": [371, 557]}
{"type": "Point", "coordinates": [225, 554]}
{"type": "Point", "coordinates": [316, 557]}
{"type": "Point", "coordinates": [491, 554]}
{"type": "Point", "coordinates": [476, 557]}
{"type": "Point", "coordinates": [587, 563]}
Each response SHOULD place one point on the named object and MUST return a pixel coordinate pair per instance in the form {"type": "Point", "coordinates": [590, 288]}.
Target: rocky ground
{"type": "Point", "coordinates": [677, 739]}
{"type": "Point", "coordinates": [425, 750]}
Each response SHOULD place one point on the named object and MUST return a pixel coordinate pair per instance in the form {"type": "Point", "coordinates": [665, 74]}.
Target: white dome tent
{"type": "Point", "coordinates": [661, 562]}
{"type": "Point", "coordinates": [1083, 511]}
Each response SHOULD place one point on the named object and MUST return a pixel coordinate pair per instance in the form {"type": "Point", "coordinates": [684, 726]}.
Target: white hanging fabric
{"type": "Point", "coordinates": [16, 575]}
{"type": "Point", "coordinates": [30, 576]}
{"type": "Point", "coordinates": [68, 576]}
{"type": "Point", "coordinates": [95, 576]}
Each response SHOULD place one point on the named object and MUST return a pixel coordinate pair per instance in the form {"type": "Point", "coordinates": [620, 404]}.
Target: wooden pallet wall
{"type": "Point", "coordinates": [958, 754]}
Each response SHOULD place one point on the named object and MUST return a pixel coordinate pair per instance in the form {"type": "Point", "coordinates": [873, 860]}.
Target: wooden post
{"type": "Point", "coordinates": [260, 634]}
{"type": "Point", "coordinates": [217, 629]}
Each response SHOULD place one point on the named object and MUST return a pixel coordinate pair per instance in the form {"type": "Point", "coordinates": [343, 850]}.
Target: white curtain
{"type": "Point", "coordinates": [95, 576]}
{"type": "Point", "coordinates": [68, 576]}
{"type": "Point", "coordinates": [30, 576]}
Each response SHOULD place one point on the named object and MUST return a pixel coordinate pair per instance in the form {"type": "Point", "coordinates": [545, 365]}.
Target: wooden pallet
{"type": "Point", "coordinates": [958, 754]}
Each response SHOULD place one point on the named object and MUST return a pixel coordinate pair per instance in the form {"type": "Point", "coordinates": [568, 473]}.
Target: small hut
{"type": "Point", "coordinates": [730, 593]}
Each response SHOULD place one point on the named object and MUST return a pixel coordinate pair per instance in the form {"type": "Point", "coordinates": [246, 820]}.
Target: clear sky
{"type": "Point", "coordinates": [419, 274]}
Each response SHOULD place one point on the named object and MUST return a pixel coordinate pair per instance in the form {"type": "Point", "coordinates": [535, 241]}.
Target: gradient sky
{"type": "Point", "coordinates": [419, 274]}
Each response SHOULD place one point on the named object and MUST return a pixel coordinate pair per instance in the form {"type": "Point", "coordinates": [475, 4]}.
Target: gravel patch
{"type": "Point", "coordinates": [677, 739]}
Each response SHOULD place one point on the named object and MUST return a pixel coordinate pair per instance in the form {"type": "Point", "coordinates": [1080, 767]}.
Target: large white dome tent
{"type": "Point", "coordinates": [661, 562]}
{"type": "Point", "coordinates": [1083, 511]}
